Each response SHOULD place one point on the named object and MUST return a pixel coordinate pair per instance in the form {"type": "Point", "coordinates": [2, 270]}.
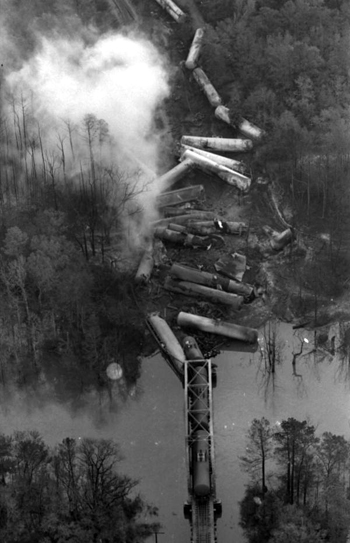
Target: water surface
{"type": "Point", "coordinates": [149, 424]}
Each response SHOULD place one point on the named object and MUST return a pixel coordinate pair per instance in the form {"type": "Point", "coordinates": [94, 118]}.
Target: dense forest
{"type": "Point", "coordinates": [299, 484]}
{"type": "Point", "coordinates": [71, 492]}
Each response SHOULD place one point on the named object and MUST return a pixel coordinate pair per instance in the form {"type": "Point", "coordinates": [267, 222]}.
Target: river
{"type": "Point", "coordinates": [149, 423]}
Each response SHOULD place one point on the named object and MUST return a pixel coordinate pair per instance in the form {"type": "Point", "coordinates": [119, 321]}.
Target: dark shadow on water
{"type": "Point", "coordinates": [236, 346]}
{"type": "Point", "coordinates": [342, 353]}
{"type": "Point", "coordinates": [63, 381]}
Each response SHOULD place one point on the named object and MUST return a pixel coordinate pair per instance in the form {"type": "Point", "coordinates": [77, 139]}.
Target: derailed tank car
{"type": "Point", "coordinates": [200, 465]}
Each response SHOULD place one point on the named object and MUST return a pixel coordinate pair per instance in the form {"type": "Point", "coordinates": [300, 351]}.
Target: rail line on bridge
{"type": "Point", "coordinates": [198, 378]}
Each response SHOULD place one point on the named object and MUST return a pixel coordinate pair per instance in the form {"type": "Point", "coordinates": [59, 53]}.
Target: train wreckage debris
{"type": "Point", "coordinates": [145, 268]}
{"type": "Point", "coordinates": [230, 163]}
{"type": "Point", "coordinates": [176, 13]}
{"type": "Point", "coordinates": [229, 145]}
{"type": "Point", "coordinates": [216, 226]}
{"type": "Point", "coordinates": [193, 289]}
{"type": "Point", "coordinates": [279, 240]}
{"type": "Point", "coordinates": [191, 240]}
{"type": "Point", "coordinates": [175, 174]}
{"type": "Point", "coordinates": [232, 177]}
{"type": "Point", "coordinates": [207, 87]}
{"type": "Point", "coordinates": [212, 326]}
{"type": "Point", "coordinates": [247, 128]}
{"type": "Point", "coordinates": [195, 49]}
{"type": "Point", "coordinates": [186, 209]}
{"type": "Point", "coordinates": [211, 280]}
{"type": "Point", "coordinates": [184, 219]}
{"type": "Point", "coordinates": [233, 266]}
{"type": "Point", "coordinates": [180, 196]}
{"type": "Point", "coordinates": [167, 341]}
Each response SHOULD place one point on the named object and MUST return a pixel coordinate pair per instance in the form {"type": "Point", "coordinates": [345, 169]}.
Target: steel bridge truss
{"type": "Point", "coordinates": [203, 512]}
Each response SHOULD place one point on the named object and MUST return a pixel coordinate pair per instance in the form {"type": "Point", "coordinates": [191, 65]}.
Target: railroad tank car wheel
{"type": "Point", "coordinates": [200, 465]}
{"type": "Point", "coordinates": [188, 511]}
{"type": "Point", "coordinates": [218, 509]}
{"type": "Point", "coordinates": [214, 376]}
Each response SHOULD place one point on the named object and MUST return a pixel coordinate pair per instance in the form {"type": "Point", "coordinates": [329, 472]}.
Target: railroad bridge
{"type": "Point", "coordinates": [198, 377]}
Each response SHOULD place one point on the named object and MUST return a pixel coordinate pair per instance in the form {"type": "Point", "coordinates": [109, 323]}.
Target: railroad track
{"type": "Point", "coordinates": [203, 529]}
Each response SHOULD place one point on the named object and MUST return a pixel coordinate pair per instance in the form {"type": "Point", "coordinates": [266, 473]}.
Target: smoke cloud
{"type": "Point", "coordinates": [119, 79]}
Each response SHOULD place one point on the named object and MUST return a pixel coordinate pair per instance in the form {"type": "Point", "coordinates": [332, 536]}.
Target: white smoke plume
{"type": "Point", "coordinates": [120, 79]}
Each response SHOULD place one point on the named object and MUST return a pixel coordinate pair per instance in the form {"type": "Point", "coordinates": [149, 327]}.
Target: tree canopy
{"type": "Point", "coordinates": [71, 492]}
{"type": "Point", "coordinates": [284, 66]}
{"type": "Point", "coordinates": [307, 492]}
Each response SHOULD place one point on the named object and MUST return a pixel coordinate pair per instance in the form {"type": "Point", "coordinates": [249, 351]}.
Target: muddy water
{"type": "Point", "coordinates": [149, 424]}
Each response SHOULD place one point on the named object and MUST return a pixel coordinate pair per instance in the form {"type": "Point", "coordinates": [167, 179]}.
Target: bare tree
{"type": "Point", "coordinates": [258, 450]}
{"type": "Point", "coordinates": [270, 356]}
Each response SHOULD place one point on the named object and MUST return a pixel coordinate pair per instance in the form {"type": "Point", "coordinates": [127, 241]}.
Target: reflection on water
{"type": "Point", "coordinates": [247, 389]}
{"type": "Point", "coordinates": [271, 351]}
{"type": "Point", "coordinates": [339, 339]}
{"type": "Point", "coordinates": [293, 373]}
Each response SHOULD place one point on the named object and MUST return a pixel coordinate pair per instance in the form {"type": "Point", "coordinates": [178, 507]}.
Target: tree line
{"type": "Point", "coordinates": [284, 66]}
{"type": "Point", "coordinates": [57, 304]}
{"type": "Point", "coordinates": [73, 491]}
{"type": "Point", "coordinates": [299, 487]}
